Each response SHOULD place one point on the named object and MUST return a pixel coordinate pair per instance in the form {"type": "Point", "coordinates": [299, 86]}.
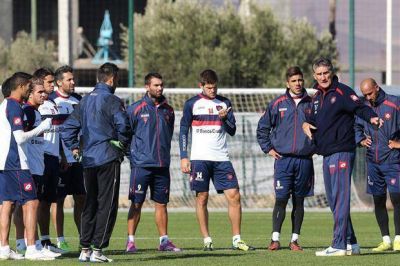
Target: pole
{"type": "Point", "coordinates": [389, 42]}
{"type": "Point", "coordinates": [131, 45]}
{"type": "Point", "coordinates": [351, 43]}
{"type": "Point", "coordinates": [33, 20]}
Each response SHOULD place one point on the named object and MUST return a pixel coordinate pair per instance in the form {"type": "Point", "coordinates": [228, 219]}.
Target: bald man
{"type": "Point", "coordinates": [383, 158]}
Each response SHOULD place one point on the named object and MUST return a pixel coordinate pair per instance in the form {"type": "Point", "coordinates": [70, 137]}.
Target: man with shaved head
{"type": "Point", "coordinates": [383, 158]}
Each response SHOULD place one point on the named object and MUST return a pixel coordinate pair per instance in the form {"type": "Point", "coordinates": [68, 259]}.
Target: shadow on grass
{"type": "Point", "coordinates": [181, 255]}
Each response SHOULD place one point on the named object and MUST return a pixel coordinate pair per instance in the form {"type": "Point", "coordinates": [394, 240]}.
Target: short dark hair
{"type": "Point", "coordinates": [18, 79]}
{"type": "Point", "coordinates": [148, 77]}
{"type": "Point", "coordinates": [43, 72]}
{"type": "Point", "coordinates": [292, 71]}
{"type": "Point", "coordinates": [34, 82]}
{"type": "Point", "coordinates": [58, 75]}
{"type": "Point", "coordinates": [208, 76]}
{"type": "Point", "coordinates": [106, 71]}
{"type": "Point", "coordinates": [5, 87]}
{"type": "Point", "coordinates": [322, 61]}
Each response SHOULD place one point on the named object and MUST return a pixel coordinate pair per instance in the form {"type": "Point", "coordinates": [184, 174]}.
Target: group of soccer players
{"type": "Point", "coordinates": [56, 143]}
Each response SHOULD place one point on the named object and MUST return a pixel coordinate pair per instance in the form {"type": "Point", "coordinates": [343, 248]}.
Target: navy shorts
{"type": "Point", "coordinates": [17, 186]}
{"type": "Point", "coordinates": [50, 179]}
{"type": "Point", "coordinates": [382, 177]}
{"type": "Point", "coordinates": [293, 175]}
{"type": "Point", "coordinates": [222, 175]}
{"type": "Point", "coordinates": [71, 181]}
{"type": "Point", "coordinates": [157, 178]}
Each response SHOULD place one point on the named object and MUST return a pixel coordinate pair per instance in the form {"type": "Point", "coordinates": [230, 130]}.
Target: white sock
{"type": "Point", "coordinates": [45, 237]}
{"type": "Point", "coordinates": [295, 237]}
{"type": "Point", "coordinates": [31, 248]}
{"type": "Point", "coordinates": [38, 245]}
{"type": "Point", "coordinates": [397, 238]}
{"type": "Point", "coordinates": [163, 238]}
{"type": "Point", "coordinates": [5, 249]}
{"type": "Point", "coordinates": [235, 239]}
{"type": "Point", "coordinates": [386, 239]}
{"type": "Point", "coordinates": [275, 236]}
{"type": "Point", "coordinates": [131, 238]}
{"type": "Point", "coordinates": [60, 239]}
{"type": "Point", "coordinates": [207, 240]}
{"type": "Point", "coordinates": [21, 244]}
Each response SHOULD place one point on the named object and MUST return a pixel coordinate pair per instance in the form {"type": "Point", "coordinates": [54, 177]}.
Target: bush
{"type": "Point", "coordinates": [180, 38]}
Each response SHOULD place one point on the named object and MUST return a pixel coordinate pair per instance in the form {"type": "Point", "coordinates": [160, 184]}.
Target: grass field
{"type": "Point", "coordinates": [256, 227]}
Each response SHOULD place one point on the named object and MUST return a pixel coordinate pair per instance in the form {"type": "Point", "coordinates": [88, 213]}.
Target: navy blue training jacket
{"type": "Point", "coordinates": [333, 113]}
{"type": "Point", "coordinates": [100, 117]}
{"type": "Point", "coordinates": [280, 127]}
{"type": "Point", "coordinates": [388, 108]}
{"type": "Point", "coordinates": [152, 127]}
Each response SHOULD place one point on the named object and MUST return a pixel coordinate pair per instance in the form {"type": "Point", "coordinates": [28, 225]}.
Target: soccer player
{"type": "Point", "coordinates": [152, 122]}
{"type": "Point", "coordinates": [210, 117]}
{"type": "Point", "coordinates": [279, 135]}
{"type": "Point", "coordinates": [331, 126]}
{"type": "Point", "coordinates": [51, 141]}
{"type": "Point", "coordinates": [71, 171]}
{"type": "Point", "coordinates": [383, 158]}
{"type": "Point", "coordinates": [102, 120]}
{"type": "Point", "coordinates": [17, 184]}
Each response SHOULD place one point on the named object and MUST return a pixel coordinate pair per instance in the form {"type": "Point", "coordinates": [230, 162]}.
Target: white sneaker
{"type": "Point", "coordinates": [98, 256]}
{"type": "Point", "coordinates": [85, 255]}
{"type": "Point", "coordinates": [5, 254]}
{"type": "Point", "coordinates": [15, 256]}
{"type": "Point", "coordinates": [36, 255]}
{"type": "Point", "coordinates": [54, 248]}
{"type": "Point", "coordinates": [331, 252]}
{"type": "Point", "coordinates": [353, 249]}
{"type": "Point", "coordinates": [49, 253]}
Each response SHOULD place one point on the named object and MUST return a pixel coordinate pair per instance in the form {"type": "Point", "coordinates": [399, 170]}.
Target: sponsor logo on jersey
{"type": "Point", "coordinates": [199, 176]}
{"type": "Point", "coordinates": [333, 99]}
{"type": "Point", "coordinates": [387, 116]}
{"type": "Point", "coordinates": [208, 131]}
{"type": "Point", "coordinates": [28, 186]}
{"type": "Point", "coordinates": [332, 169]}
{"type": "Point", "coordinates": [145, 117]}
{"type": "Point", "coordinates": [17, 121]}
{"type": "Point", "coordinates": [282, 109]}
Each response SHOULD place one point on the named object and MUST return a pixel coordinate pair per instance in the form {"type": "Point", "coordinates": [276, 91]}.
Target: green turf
{"type": "Point", "coordinates": [183, 229]}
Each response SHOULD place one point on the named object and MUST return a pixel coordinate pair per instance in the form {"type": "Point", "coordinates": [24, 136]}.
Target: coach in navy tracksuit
{"type": "Point", "coordinates": [152, 122]}
{"type": "Point", "coordinates": [332, 128]}
{"type": "Point", "coordinates": [280, 135]}
{"type": "Point", "coordinates": [101, 119]}
{"type": "Point", "coordinates": [383, 158]}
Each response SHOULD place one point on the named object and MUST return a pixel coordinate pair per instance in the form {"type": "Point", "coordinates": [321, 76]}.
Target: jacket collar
{"type": "Point", "coordinates": [302, 96]}
{"type": "Point", "coordinates": [333, 86]}
{"type": "Point", "coordinates": [380, 98]}
{"type": "Point", "coordinates": [103, 87]}
{"type": "Point", "coordinates": [149, 101]}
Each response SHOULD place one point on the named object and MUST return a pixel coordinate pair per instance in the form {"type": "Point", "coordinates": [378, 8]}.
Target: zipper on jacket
{"type": "Point", "coordinates": [376, 138]}
{"type": "Point", "coordinates": [158, 137]}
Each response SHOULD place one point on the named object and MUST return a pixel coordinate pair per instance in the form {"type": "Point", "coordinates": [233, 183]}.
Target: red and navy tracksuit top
{"type": "Point", "coordinates": [280, 127]}
{"type": "Point", "coordinates": [388, 108]}
{"type": "Point", "coordinates": [152, 128]}
{"type": "Point", "coordinates": [333, 115]}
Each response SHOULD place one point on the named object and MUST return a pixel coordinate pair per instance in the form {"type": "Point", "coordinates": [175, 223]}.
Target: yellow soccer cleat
{"type": "Point", "coordinates": [396, 245]}
{"type": "Point", "coordinates": [383, 246]}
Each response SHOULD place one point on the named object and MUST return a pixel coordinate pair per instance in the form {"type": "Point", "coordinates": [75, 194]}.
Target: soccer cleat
{"type": "Point", "coordinates": [98, 256]}
{"type": "Point", "coordinates": [274, 245]}
{"type": "Point", "coordinates": [241, 245]}
{"type": "Point", "coordinates": [353, 249]}
{"type": "Point", "coordinates": [168, 246]}
{"type": "Point", "coordinates": [383, 246]}
{"type": "Point", "coordinates": [5, 254]}
{"type": "Point", "coordinates": [130, 247]}
{"type": "Point", "coordinates": [85, 255]}
{"type": "Point", "coordinates": [396, 245]}
{"type": "Point", "coordinates": [49, 253]}
{"type": "Point", "coordinates": [64, 246]}
{"type": "Point", "coordinates": [294, 246]}
{"type": "Point", "coordinates": [331, 252]}
{"type": "Point", "coordinates": [208, 246]}
{"type": "Point", "coordinates": [50, 246]}
{"type": "Point", "coordinates": [37, 255]}
{"type": "Point", "coordinates": [15, 256]}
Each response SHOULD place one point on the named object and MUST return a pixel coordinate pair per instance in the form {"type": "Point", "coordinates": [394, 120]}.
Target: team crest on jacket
{"type": "Point", "coordinates": [27, 186]}
{"type": "Point", "coordinates": [393, 181]}
{"type": "Point", "coordinates": [17, 121]}
{"type": "Point", "coordinates": [145, 117]}
{"type": "Point", "coordinates": [219, 107]}
{"type": "Point", "coordinates": [387, 116]}
{"type": "Point", "coordinates": [333, 99]}
{"type": "Point", "coordinates": [342, 165]}
{"type": "Point", "coordinates": [354, 97]}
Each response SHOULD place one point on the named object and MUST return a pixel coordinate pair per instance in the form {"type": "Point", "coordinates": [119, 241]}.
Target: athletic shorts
{"type": "Point", "coordinates": [382, 177]}
{"type": "Point", "coordinates": [222, 175]}
{"type": "Point", "coordinates": [71, 181]}
{"type": "Point", "coordinates": [17, 186]}
{"type": "Point", "coordinates": [157, 178]}
{"type": "Point", "coordinates": [50, 178]}
{"type": "Point", "coordinates": [39, 183]}
{"type": "Point", "coordinates": [293, 175]}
